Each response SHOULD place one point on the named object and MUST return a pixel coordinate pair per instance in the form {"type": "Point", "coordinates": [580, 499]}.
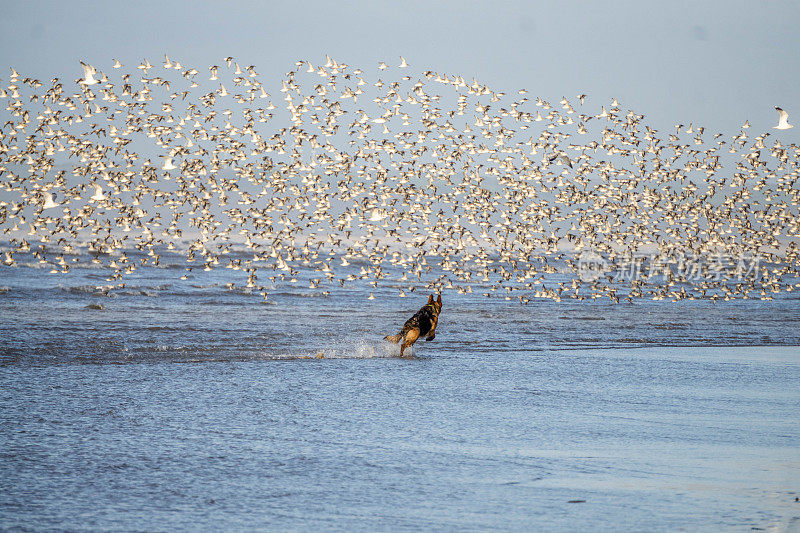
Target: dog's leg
{"type": "Point", "coordinates": [432, 332]}
{"type": "Point", "coordinates": [411, 337]}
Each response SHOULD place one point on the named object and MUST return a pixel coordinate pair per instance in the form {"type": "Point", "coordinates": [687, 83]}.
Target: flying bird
{"type": "Point", "coordinates": [88, 75]}
{"type": "Point", "coordinates": [98, 195]}
{"type": "Point", "coordinates": [48, 201]}
{"type": "Point", "coordinates": [383, 175]}
{"type": "Point", "coordinates": [783, 120]}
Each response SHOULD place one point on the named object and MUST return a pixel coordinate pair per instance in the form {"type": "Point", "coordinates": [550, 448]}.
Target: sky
{"type": "Point", "coordinates": [713, 63]}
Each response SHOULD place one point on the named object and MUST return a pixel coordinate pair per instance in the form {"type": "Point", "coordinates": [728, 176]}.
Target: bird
{"type": "Point", "coordinates": [48, 200]}
{"type": "Point", "coordinates": [437, 182]}
{"type": "Point", "coordinates": [783, 120]}
{"type": "Point", "coordinates": [98, 195]}
{"type": "Point", "coordinates": [88, 75]}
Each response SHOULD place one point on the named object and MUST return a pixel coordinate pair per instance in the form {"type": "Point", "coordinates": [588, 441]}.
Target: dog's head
{"type": "Point", "coordinates": [436, 304]}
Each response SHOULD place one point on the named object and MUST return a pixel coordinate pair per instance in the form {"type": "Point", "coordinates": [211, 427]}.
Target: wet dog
{"type": "Point", "coordinates": [422, 323]}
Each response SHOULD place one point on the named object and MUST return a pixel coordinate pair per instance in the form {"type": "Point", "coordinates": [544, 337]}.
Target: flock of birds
{"type": "Point", "coordinates": [427, 180]}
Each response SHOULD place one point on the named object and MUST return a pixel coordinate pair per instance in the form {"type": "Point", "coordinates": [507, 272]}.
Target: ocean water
{"type": "Point", "coordinates": [185, 404]}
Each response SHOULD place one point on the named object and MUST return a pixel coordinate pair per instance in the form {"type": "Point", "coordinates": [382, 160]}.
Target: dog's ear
{"type": "Point", "coordinates": [439, 299]}
{"type": "Point", "coordinates": [430, 299]}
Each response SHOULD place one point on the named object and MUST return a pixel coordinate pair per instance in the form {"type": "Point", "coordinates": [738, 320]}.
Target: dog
{"type": "Point", "coordinates": [422, 323]}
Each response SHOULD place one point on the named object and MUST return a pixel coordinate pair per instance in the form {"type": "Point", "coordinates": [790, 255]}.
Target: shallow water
{"type": "Point", "coordinates": [182, 404]}
{"type": "Point", "coordinates": [82, 317]}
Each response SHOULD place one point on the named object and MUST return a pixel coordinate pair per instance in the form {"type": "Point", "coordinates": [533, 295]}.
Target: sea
{"type": "Point", "coordinates": [172, 400]}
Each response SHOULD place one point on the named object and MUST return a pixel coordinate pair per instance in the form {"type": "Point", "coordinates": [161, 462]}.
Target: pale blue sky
{"type": "Point", "coordinates": [715, 63]}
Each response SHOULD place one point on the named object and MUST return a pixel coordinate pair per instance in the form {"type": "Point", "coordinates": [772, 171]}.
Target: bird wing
{"type": "Point", "coordinates": [783, 119]}
{"type": "Point", "coordinates": [88, 70]}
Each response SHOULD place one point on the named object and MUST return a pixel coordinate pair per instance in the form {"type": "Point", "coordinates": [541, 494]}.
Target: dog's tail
{"type": "Point", "coordinates": [393, 338]}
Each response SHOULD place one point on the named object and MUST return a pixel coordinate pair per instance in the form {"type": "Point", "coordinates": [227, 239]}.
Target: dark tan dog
{"type": "Point", "coordinates": [422, 323]}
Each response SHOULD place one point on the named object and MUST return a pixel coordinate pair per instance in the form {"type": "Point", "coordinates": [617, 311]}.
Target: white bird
{"type": "Point", "coordinates": [377, 215]}
{"type": "Point", "coordinates": [375, 193]}
{"type": "Point", "coordinates": [403, 63]}
{"type": "Point", "coordinates": [783, 120]}
{"type": "Point", "coordinates": [88, 74]}
{"type": "Point", "coordinates": [48, 201]}
{"type": "Point", "coordinates": [98, 193]}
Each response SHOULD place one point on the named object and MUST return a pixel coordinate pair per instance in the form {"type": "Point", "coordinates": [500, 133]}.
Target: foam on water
{"type": "Point", "coordinates": [362, 348]}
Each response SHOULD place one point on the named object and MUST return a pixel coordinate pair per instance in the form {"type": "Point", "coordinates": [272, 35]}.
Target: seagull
{"type": "Point", "coordinates": [98, 193]}
{"type": "Point", "coordinates": [403, 63]}
{"type": "Point", "coordinates": [48, 201]}
{"type": "Point", "coordinates": [377, 215]}
{"type": "Point", "coordinates": [783, 120]}
{"type": "Point", "coordinates": [88, 75]}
